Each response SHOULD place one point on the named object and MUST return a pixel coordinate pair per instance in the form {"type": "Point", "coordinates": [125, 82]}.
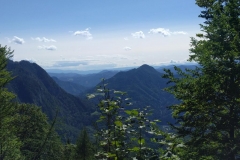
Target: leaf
{"type": "Point", "coordinates": [111, 155]}
{"type": "Point", "coordinates": [90, 96]}
{"type": "Point", "coordinates": [141, 141]}
{"type": "Point", "coordinates": [135, 149]}
{"type": "Point", "coordinates": [100, 90]}
{"type": "Point", "coordinates": [118, 123]}
{"type": "Point", "coordinates": [102, 117]}
{"type": "Point", "coordinates": [128, 112]}
{"type": "Point", "coordinates": [118, 92]}
{"type": "Point", "coordinates": [135, 112]}
{"type": "Point", "coordinates": [129, 104]}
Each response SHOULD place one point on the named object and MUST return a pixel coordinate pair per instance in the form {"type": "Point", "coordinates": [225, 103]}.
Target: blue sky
{"type": "Point", "coordinates": [99, 34]}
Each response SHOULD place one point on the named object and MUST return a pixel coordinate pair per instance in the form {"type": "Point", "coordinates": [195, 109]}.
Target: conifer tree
{"type": "Point", "coordinates": [209, 112]}
{"type": "Point", "coordinates": [84, 148]}
{"type": "Point", "coordinates": [9, 143]}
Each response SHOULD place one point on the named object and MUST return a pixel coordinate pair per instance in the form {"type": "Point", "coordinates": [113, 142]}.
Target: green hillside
{"type": "Point", "coordinates": [144, 86]}
{"type": "Point", "coordinates": [33, 85]}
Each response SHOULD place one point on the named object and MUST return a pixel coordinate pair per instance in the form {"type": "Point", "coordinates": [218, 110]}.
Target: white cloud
{"type": "Point", "coordinates": [43, 39]}
{"type": "Point", "coordinates": [17, 40]}
{"type": "Point", "coordinates": [50, 48]}
{"type": "Point", "coordinates": [126, 38]}
{"type": "Point", "coordinates": [165, 32]}
{"type": "Point", "coordinates": [179, 32]}
{"type": "Point", "coordinates": [84, 33]}
{"type": "Point", "coordinates": [127, 48]}
{"type": "Point", "coordinates": [139, 35]}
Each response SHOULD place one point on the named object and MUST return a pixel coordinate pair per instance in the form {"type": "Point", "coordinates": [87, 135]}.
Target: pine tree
{"type": "Point", "coordinates": [9, 143]}
{"type": "Point", "coordinates": [84, 148]}
{"type": "Point", "coordinates": [209, 112]}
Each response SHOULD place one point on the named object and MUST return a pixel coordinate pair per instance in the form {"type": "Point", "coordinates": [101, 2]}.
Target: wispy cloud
{"type": "Point", "coordinates": [165, 32]}
{"type": "Point", "coordinates": [85, 33]}
{"type": "Point", "coordinates": [50, 48]}
{"type": "Point", "coordinates": [139, 35]}
{"type": "Point", "coordinates": [17, 40]}
{"type": "Point", "coordinates": [127, 48]}
{"type": "Point", "coordinates": [126, 38]}
{"type": "Point", "coordinates": [179, 32]}
{"type": "Point", "coordinates": [44, 39]}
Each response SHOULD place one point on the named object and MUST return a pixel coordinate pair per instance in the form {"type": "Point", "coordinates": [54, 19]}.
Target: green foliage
{"type": "Point", "coordinates": [144, 85]}
{"type": "Point", "coordinates": [84, 147]}
{"type": "Point", "coordinates": [33, 85]}
{"type": "Point", "coordinates": [24, 130]}
{"type": "Point", "coordinates": [9, 144]}
{"type": "Point", "coordinates": [111, 134]}
{"type": "Point", "coordinates": [69, 152]}
{"type": "Point", "coordinates": [209, 110]}
{"type": "Point", "coordinates": [38, 138]}
{"type": "Point", "coordinates": [123, 133]}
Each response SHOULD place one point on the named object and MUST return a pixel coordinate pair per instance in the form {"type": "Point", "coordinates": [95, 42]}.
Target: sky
{"type": "Point", "coordinates": [99, 34]}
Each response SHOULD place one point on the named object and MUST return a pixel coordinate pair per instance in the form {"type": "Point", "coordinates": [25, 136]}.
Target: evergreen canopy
{"type": "Point", "coordinates": [209, 112]}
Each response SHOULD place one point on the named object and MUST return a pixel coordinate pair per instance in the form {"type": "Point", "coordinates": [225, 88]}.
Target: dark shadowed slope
{"type": "Point", "coordinates": [33, 85]}
{"type": "Point", "coordinates": [145, 86]}
{"type": "Point", "coordinates": [70, 87]}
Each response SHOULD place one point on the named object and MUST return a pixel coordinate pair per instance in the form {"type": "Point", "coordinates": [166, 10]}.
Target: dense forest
{"type": "Point", "coordinates": [206, 110]}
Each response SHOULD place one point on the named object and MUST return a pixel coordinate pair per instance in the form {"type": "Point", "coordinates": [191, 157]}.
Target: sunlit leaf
{"type": "Point", "coordinates": [90, 96]}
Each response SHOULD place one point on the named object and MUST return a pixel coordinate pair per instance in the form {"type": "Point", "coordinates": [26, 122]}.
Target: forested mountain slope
{"type": "Point", "coordinates": [145, 86]}
{"type": "Point", "coordinates": [70, 87]}
{"type": "Point", "coordinates": [33, 85]}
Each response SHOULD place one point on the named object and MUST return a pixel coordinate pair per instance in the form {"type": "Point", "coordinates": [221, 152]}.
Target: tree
{"type": "Point", "coordinates": [123, 132]}
{"type": "Point", "coordinates": [209, 112]}
{"type": "Point", "coordinates": [84, 148]}
{"type": "Point", "coordinates": [9, 143]}
{"type": "Point", "coordinates": [111, 133]}
{"type": "Point", "coordinates": [38, 138]}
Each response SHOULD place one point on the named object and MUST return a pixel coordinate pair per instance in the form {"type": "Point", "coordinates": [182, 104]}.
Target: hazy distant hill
{"type": "Point", "coordinates": [33, 85]}
{"type": "Point", "coordinates": [70, 87]}
{"type": "Point", "coordinates": [145, 86]}
{"type": "Point", "coordinates": [85, 72]}
{"type": "Point", "coordinates": [89, 80]}
{"type": "Point", "coordinates": [171, 67]}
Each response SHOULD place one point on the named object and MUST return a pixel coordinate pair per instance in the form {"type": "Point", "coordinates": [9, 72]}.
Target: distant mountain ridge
{"type": "Point", "coordinates": [32, 84]}
{"type": "Point", "coordinates": [171, 67]}
{"type": "Point", "coordinates": [145, 86]}
{"type": "Point", "coordinates": [89, 80]}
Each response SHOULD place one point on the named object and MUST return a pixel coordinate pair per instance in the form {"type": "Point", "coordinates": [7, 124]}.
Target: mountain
{"type": "Point", "coordinates": [88, 81]}
{"type": "Point", "coordinates": [33, 85]}
{"type": "Point", "coordinates": [171, 67]}
{"type": "Point", "coordinates": [70, 87]}
{"type": "Point", "coordinates": [145, 86]}
{"type": "Point", "coordinates": [53, 71]}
